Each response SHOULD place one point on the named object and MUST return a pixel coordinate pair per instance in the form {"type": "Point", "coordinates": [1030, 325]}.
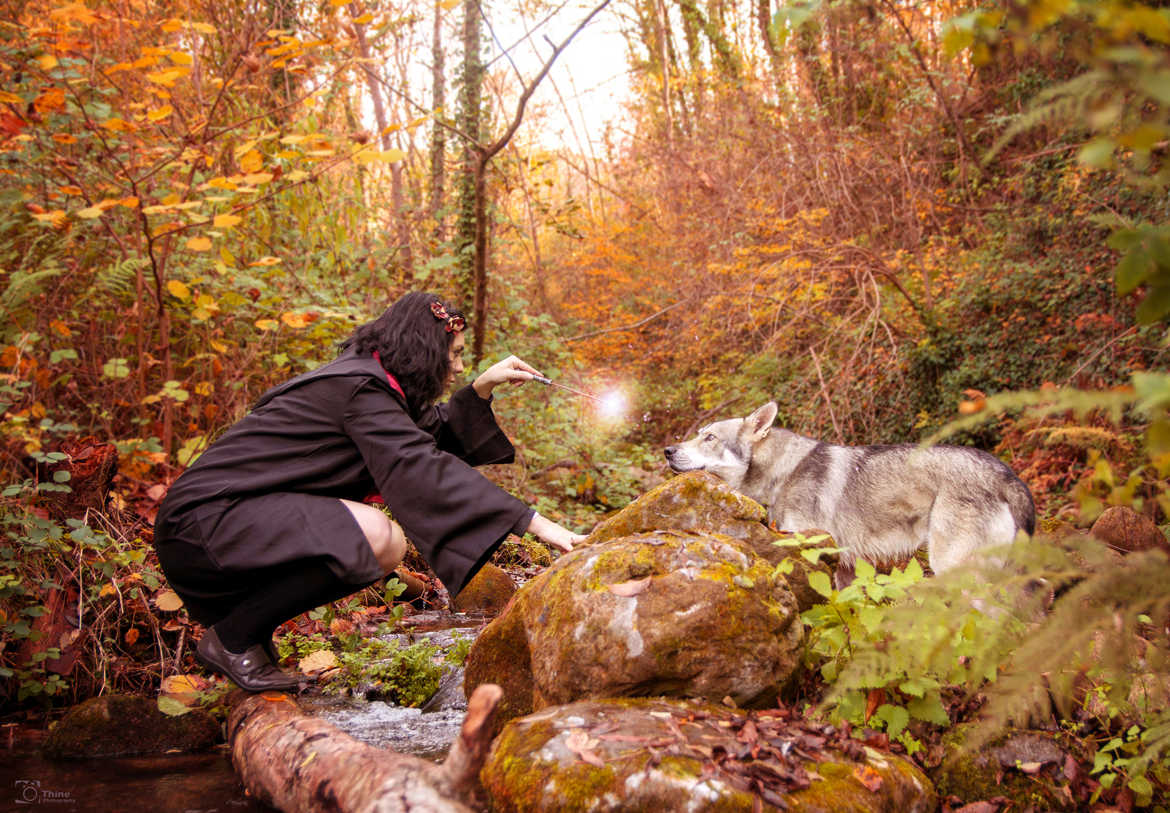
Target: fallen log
{"type": "Point", "coordinates": [294, 762]}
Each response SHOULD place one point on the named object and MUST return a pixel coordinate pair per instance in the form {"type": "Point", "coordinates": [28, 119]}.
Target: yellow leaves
{"type": "Point", "coordinates": [257, 178]}
{"type": "Point", "coordinates": [60, 328]}
{"type": "Point", "coordinates": [338, 3]}
{"type": "Point", "coordinates": [199, 244]}
{"type": "Point", "coordinates": [96, 210]}
{"type": "Point", "coordinates": [168, 601]}
{"type": "Point", "coordinates": [50, 100]}
{"type": "Point", "coordinates": [64, 138]}
{"type": "Point", "coordinates": [205, 308]}
{"type": "Point", "coordinates": [161, 113]}
{"type": "Point", "coordinates": [175, 24]}
{"type": "Point", "coordinates": [118, 125]}
{"type": "Point", "coordinates": [47, 62]}
{"type": "Point", "coordinates": [977, 402]}
{"type": "Point", "coordinates": [55, 218]}
{"type": "Point", "coordinates": [317, 662]}
{"type": "Point", "coordinates": [73, 13]}
{"type": "Point", "coordinates": [10, 98]}
{"type": "Point", "coordinates": [372, 156]}
{"type": "Point", "coordinates": [226, 221]}
{"type": "Point", "coordinates": [364, 19]}
{"type": "Point", "coordinates": [296, 320]}
{"type": "Point", "coordinates": [168, 77]}
{"type": "Point", "coordinates": [264, 262]}
{"type": "Point", "coordinates": [220, 183]}
{"type": "Point", "coordinates": [267, 324]}
{"type": "Point", "coordinates": [251, 161]}
{"type": "Point", "coordinates": [288, 139]}
{"type": "Point", "coordinates": [70, 190]}
{"type": "Point", "coordinates": [178, 289]}
{"type": "Point", "coordinates": [181, 58]}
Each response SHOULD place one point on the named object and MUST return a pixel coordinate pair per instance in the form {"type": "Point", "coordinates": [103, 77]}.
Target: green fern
{"type": "Point", "coordinates": [116, 282]}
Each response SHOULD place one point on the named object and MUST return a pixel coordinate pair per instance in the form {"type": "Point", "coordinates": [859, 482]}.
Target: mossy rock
{"type": "Point", "coordinates": [122, 725]}
{"type": "Point", "coordinates": [666, 613]}
{"type": "Point", "coordinates": [489, 591]}
{"type": "Point", "coordinates": [655, 754]}
{"type": "Point", "coordinates": [500, 655]}
{"type": "Point", "coordinates": [1022, 765]}
{"type": "Point", "coordinates": [1126, 530]}
{"type": "Point", "coordinates": [698, 502]}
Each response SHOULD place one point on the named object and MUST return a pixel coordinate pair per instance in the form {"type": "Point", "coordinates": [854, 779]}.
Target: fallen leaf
{"type": "Point", "coordinates": [168, 601]}
{"type": "Point", "coordinates": [630, 588]}
{"type": "Point", "coordinates": [581, 744]}
{"type": "Point", "coordinates": [868, 777]}
{"type": "Point", "coordinates": [131, 636]}
{"type": "Point", "coordinates": [319, 661]}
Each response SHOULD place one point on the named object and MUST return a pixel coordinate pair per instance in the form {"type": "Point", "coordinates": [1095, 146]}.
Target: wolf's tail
{"type": "Point", "coordinates": [1020, 503]}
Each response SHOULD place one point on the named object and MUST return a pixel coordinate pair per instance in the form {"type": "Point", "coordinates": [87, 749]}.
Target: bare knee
{"type": "Point", "coordinates": [386, 539]}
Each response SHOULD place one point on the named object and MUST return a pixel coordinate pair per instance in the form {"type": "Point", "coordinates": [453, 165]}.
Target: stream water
{"type": "Point", "coordinates": [207, 783]}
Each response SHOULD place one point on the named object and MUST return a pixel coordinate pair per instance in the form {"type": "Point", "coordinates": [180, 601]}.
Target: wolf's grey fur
{"type": "Point", "coordinates": [878, 502]}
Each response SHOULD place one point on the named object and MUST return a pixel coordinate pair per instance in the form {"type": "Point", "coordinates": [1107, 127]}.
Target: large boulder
{"type": "Point", "coordinates": [1125, 530]}
{"type": "Point", "coordinates": [123, 725]}
{"type": "Point", "coordinates": [652, 754]}
{"type": "Point", "coordinates": [487, 592]}
{"type": "Point", "coordinates": [695, 501]}
{"type": "Point", "coordinates": [699, 502]}
{"type": "Point", "coordinates": [666, 613]}
{"type": "Point", "coordinates": [1024, 766]}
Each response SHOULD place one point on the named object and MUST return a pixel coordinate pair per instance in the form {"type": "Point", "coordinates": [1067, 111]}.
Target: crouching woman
{"type": "Point", "coordinates": [268, 522]}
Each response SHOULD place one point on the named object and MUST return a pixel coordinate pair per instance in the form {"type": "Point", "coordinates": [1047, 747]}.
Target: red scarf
{"type": "Point", "coordinates": [393, 381]}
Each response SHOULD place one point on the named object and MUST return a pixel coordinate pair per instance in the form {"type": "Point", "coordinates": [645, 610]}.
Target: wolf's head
{"type": "Point", "coordinates": [724, 448]}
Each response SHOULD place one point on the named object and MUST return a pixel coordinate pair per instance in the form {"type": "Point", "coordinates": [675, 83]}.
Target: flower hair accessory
{"type": "Point", "coordinates": [454, 323]}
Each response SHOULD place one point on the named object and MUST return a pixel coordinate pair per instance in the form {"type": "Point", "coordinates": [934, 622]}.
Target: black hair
{"type": "Point", "coordinates": [414, 347]}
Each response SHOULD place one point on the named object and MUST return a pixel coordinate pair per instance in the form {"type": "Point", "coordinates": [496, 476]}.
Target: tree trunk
{"type": "Point", "coordinates": [439, 131]}
{"type": "Point", "coordinates": [373, 85]}
{"type": "Point", "coordinates": [470, 165]}
{"type": "Point", "coordinates": [299, 763]}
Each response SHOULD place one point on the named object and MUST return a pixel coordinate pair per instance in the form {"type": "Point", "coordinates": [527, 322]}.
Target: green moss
{"type": "Point", "coordinates": [122, 725]}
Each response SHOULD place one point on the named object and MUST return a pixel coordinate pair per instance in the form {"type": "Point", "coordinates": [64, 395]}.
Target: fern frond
{"type": "Point", "coordinates": [23, 286]}
{"type": "Point", "coordinates": [1057, 105]}
{"type": "Point", "coordinates": [115, 281]}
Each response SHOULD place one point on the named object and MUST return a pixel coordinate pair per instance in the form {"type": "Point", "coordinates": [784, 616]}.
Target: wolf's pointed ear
{"type": "Point", "coordinates": [759, 423]}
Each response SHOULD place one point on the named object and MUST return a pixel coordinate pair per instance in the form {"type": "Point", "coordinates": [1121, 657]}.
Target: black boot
{"type": "Point", "coordinates": [250, 670]}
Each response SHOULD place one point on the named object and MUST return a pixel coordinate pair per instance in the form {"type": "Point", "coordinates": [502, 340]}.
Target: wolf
{"type": "Point", "coordinates": [879, 503]}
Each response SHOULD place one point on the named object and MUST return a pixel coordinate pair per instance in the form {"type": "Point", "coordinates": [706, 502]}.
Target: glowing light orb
{"type": "Point", "coordinates": [612, 404]}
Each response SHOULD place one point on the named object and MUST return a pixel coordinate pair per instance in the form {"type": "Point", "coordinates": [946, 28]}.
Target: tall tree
{"type": "Point", "coordinates": [471, 231]}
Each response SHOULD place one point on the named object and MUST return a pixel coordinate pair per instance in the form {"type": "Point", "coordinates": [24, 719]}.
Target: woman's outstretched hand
{"type": "Point", "coordinates": [510, 369]}
{"type": "Point", "coordinates": [556, 535]}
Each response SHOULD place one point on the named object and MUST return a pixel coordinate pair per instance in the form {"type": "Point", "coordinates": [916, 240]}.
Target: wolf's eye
{"type": "Point", "coordinates": [708, 437]}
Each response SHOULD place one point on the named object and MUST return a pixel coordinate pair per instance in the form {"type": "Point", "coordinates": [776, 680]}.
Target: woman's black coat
{"type": "Point", "coordinates": [343, 430]}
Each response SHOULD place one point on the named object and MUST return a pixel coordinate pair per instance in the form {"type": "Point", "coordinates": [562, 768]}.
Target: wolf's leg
{"type": "Point", "coordinates": [843, 576]}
